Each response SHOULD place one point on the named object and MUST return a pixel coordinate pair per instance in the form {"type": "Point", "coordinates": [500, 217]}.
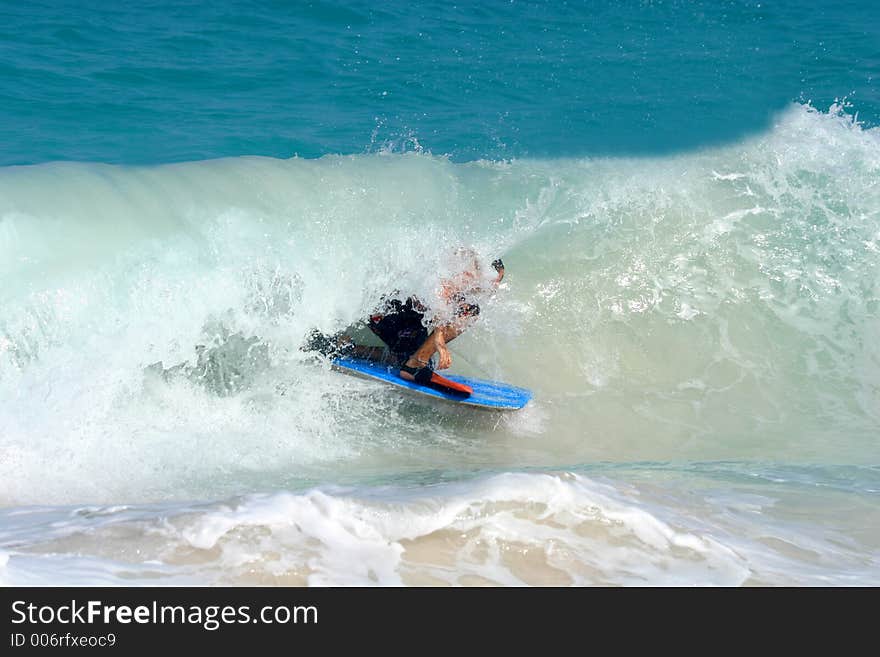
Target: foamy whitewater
{"type": "Point", "coordinates": [701, 333]}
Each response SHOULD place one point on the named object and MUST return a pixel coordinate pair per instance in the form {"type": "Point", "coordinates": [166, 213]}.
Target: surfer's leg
{"type": "Point", "coordinates": [417, 367]}
{"type": "Point", "coordinates": [334, 346]}
{"type": "Point", "coordinates": [317, 341]}
{"type": "Point", "coordinates": [377, 354]}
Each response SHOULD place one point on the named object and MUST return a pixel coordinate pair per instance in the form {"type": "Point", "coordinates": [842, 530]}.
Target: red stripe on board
{"type": "Point", "coordinates": [438, 380]}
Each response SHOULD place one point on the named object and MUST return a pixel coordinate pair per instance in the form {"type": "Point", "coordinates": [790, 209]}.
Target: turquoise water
{"type": "Point", "coordinates": [162, 82]}
{"type": "Point", "coordinates": [685, 196]}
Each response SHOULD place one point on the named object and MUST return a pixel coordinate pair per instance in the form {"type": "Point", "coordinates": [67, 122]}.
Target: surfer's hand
{"type": "Point", "coordinates": [499, 267]}
{"type": "Point", "coordinates": [445, 359]}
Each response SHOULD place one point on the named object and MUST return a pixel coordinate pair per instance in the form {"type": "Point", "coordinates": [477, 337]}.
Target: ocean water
{"type": "Point", "coordinates": [685, 196]}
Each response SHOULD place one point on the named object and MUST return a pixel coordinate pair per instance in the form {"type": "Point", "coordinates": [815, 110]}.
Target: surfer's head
{"type": "Point", "coordinates": [465, 268]}
{"type": "Point", "coordinates": [468, 260]}
{"type": "Point", "coordinates": [467, 273]}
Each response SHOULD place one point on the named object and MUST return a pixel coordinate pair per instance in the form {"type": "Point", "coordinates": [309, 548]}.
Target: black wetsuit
{"type": "Point", "coordinates": [400, 324]}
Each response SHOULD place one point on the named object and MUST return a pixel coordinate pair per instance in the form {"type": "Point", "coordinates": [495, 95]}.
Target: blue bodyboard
{"type": "Point", "coordinates": [492, 395]}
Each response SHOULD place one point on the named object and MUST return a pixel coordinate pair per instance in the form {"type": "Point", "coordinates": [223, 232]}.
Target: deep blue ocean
{"type": "Point", "coordinates": [686, 198]}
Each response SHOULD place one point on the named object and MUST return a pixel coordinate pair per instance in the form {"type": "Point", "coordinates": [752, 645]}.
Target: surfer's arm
{"type": "Point", "coordinates": [440, 336]}
{"type": "Point", "coordinates": [447, 332]}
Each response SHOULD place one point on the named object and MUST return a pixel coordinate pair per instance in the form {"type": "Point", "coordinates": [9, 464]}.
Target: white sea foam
{"type": "Point", "coordinates": [703, 306]}
{"type": "Point", "coordinates": [512, 529]}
